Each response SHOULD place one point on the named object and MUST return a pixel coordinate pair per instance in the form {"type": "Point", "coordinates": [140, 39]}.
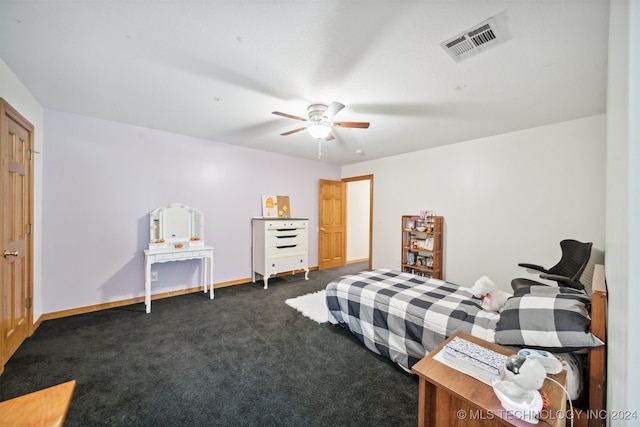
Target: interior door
{"type": "Point", "coordinates": [16, 193]}
{"type": "Point", "coordinates": [332, 242]}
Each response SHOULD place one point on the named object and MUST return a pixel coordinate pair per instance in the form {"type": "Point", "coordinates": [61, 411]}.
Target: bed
{"type": "Point", "coordinates": [402, 317]}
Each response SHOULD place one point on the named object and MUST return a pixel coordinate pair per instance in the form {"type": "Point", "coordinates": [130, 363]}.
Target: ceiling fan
{"type": "Point", "coordinates": [319, 123]}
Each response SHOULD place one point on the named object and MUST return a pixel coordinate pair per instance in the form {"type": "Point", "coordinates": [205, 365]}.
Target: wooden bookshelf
{"type": "Point", "coordinates": [422, 245]}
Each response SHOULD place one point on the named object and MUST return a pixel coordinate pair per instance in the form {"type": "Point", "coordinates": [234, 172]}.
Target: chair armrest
{"type": "Point", "coordinates": [520, 283]}
{"type": "Point", "coordinates": [555, 277]}
{"type": "Point", "coordinates": [563, 281]}
{"type": "Point", "coordinates": [533, 267]}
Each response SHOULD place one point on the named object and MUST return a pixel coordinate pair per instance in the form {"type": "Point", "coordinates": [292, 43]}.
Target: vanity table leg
{"type": "Point", "coordinates": [147, 285]}
{"type": "Point", "coordinates": [204, 274]}
{"type": "Point", "coordinates": [211, 276]}
{"type": "Point", "coordinates": [306, 274]}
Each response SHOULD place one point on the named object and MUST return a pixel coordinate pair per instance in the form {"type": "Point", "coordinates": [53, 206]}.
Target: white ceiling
{"type": "Point", "coordinates": [217, 69]}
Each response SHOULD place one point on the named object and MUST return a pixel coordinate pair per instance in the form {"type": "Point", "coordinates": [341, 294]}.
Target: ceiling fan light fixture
{"type": "Point", "coordinates": [319, 131]}
{"type": "Point", "coordinates": [319, 123]}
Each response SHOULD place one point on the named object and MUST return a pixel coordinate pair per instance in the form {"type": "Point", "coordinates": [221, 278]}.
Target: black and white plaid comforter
{"type": "Point", "coordinates": [402, 316]}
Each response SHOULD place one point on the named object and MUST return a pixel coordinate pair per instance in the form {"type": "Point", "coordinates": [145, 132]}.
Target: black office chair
{"type": "Point", "coordinates": [567, 272]}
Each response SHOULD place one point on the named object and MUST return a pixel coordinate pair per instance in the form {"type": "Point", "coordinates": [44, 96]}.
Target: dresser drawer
{"type": "Point", "coordinates": [200, 254]}
{"type": "Point", "coordinates": [178, 255]}
{"type": "Point", "coordinates": [288, 240]}
{"type": "Point", "coordinates": [285, 250]}
{"type": "Point", "coordinates": [163, 257]}
{"type": "Point", "coordinates": [286, 224]}
{"type": "Point", "coordinates": [290, 263]}
{"type": "Point", "coordinates": [284, 231]}
{"type": "Point", "coordinates": [182, 255]}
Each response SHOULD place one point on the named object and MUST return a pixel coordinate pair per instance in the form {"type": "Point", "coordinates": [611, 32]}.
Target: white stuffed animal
{"type": "Point", "coordinates": [492, 298]}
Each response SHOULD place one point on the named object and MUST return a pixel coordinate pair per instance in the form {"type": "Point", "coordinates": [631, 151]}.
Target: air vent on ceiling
{"type": "Point", "coordinates": [473, 41]}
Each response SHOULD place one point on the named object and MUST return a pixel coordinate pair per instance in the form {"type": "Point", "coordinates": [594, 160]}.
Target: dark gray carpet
{"type": "Point", "coordinates": [243, 359]}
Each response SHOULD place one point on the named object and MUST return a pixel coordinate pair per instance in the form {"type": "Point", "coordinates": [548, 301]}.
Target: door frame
{"type": "Point", "coordinates": [370, 179]}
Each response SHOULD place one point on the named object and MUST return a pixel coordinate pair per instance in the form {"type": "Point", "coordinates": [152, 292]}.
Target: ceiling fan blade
{"type": "Point", "coordinates": [333, 109]}
{"type": "Point", "coordinates": [293, 131]}
{"type": "Point", "coordinates": [289, 116]}
{"type": "Point", "coordinates": [361, 125]}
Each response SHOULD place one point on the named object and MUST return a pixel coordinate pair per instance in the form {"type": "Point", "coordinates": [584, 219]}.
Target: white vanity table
{"type": "Point", "coordinates": [176, 234]}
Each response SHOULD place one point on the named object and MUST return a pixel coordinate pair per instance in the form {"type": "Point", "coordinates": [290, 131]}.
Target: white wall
{"type": "Point", "coordinates": [505, 199]}
{"type": "Point", "coordinates": [623, 208]}
{"type": "Point", "coordinates": [17, 95]}
{"type": "Point", "coordinates": [103, 178]}
{"type": "Point", "coordinates": [358, 201]}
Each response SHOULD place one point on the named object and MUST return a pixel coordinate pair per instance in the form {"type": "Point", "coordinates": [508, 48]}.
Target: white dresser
{"type": "Point", "coordinates": [279, 245]}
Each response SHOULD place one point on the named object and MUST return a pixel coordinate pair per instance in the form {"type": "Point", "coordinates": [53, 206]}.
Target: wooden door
{"type": "Point", "coordinates": [16, 193]}
{"type": "Point", "coordinates": [332, 242]}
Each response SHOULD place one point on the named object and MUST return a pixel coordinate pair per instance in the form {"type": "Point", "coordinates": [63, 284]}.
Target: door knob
{"type": "Point", "coordinates": [321, 228]}
{"type": "Point", "coordinates": [9, 253]}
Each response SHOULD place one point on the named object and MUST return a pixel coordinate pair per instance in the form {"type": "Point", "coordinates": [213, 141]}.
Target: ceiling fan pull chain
{"type": "Point", "coordinates": [319, 148]}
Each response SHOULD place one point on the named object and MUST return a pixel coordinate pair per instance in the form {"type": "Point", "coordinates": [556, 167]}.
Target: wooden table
{"type": "Point", "coordinates": [47, 407]}
{"type": "Point", "coordinates": [449, 397]}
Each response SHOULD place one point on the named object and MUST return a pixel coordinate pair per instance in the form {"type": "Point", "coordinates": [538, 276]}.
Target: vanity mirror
{"type": "Point", "coordinates": [175, 225]}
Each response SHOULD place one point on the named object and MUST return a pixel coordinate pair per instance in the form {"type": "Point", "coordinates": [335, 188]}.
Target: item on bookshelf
{"type": "Point", "coordinates": [518, 390]}
{"type": "Point", "coordinates": [411, 258]}
{"type": "Point", "coordinates": [425, 213]}
{"type": "Point", "coordinates": [409, 225]}
{"type": "Point", "coordinates": [428, 243]}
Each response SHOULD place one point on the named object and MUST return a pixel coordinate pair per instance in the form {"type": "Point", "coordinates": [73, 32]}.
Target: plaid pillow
{"type": "Point", "coordinates": [548, 319]}
{"type": "Point", "coordinates": [553, 290]}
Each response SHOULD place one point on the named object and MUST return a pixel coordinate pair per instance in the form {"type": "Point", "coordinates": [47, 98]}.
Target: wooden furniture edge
{"type": "Point", "coordinates": [45, 407]}
{"type": "Point", "coordinates": [598, 355]}
{"type": "Point", "coordinates": [425, 417]}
